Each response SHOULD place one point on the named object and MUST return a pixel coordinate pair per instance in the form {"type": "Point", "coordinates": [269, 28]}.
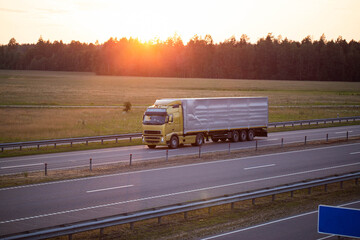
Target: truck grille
{"type": "Point", "coordinates": [152, 132]}
{"type": "Point", "coordinates": [152, 139]}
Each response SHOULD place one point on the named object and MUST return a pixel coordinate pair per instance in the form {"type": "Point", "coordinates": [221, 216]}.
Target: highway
{"type": "Point", "coordinates": [35, 206]}
{"type": "Point", "coordinates": [141, 153]}
{"type": "Point", "coordinates": [302, 226]}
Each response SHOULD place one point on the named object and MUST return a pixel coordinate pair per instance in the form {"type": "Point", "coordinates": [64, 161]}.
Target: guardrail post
{"type": "Point", "coordinates": [101, 232]}
{"type": "Point", "coordinates": [253, 201]}
{"type": "Point", "coordinates": [132, 226]}
{"type": "Point", "coordinates": [209, 211]}
{"type": "Point", "coordinates": [38, 146]}
{"type": "Point", "coordinates": [130, 159]}
{"type": "Point", "coordinates": [292, 194]}
{"type": "Point", "coordinates": [45, 169]}
{"type": "Point", "coordinates": [102, 141]}
{"type": "Point", "coordinates": [327, 137]}
{"type": "Point", "coordinates": [20, 147]}
{"type": "Point", "coordinates": [116, 140]}
{"type": "Point", "coordinates": [159, 220]}
{"type": "Point", "coordinates": [130, 139]}
{"type": "Point", "coordinates": [70, 144]}
{"type": "Point", "coordinates": [341, 185]}
{"type": "Point", "coordinates": [325, 187]}
{"type": "Point", "coordinates": [167, 154]}
{"type": "Point", "coordinates": [90, 164]}
{"type": "Point", "coordinates": [200, 151]}
{"type": "Point", "coordinates": [2, 149]}
{"type": "Point", "coordinates": [305, 139]}
{"type": "Point", "coordinates": [347, 135]}
{"type": "Point", "coordinates": [309, 190]}
{"type": "Point", "coordinates": [70, 236]}
{"type": "Point", "coordinates": [282, 142]}
{"type": "Point", "coordinates": [186, 215]}
{"type": "Point", "coordinates": [232, 206]}
{"type": "Point", "coordinates": [273, 197]}
{"type": "Point", "coordinates": [54, 145]}
{"type": "Point", "coordinates": [229, 148]}
{"type": "Point", "coordinates": [256, 145]}
{"type": "Point", "coordinates": [86, 142]}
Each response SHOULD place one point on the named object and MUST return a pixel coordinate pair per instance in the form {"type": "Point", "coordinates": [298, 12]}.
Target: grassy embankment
{"type": "Point", "coordinates": [288, 100]}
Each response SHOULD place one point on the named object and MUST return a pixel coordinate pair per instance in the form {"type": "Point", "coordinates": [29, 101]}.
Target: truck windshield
{"type": "Point", "coordinates": [154, 119]}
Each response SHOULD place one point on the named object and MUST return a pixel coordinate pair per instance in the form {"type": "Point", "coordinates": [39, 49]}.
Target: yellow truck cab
{"type": "Point", "coordinates": [163, 124]}
{"type": "Point", "coordinates": [175, 122]}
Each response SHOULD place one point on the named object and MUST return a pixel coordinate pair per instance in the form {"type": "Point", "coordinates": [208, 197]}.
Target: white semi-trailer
{"type": "Point", "coordinates": [192, 120]}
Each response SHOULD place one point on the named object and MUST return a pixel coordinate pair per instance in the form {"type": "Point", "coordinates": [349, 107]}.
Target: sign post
{"type": "Point", "coordinates": [339, 221]}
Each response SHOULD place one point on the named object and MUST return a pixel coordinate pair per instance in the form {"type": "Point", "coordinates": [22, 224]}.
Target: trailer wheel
{"type": "Point", "coordinates": [214, 139]}
{"type": "Point", "coordinates": [174, 142]}
{"type": "Point", "coordinates": [151, 146]}
{"type": "Point", "coordinates": [235, 136]}
{"type": "Point", "coordinates": [243, 135]}
{"type": "Point", "coordinates": [223, 139]}
{"type": "Point", "coordinates": [199, 140]}
{"type": "Point", "coordinates": [250, 135]}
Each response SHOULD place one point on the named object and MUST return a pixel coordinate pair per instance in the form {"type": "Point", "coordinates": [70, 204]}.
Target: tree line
{"type": "Point", "coordinates": [269, 58]}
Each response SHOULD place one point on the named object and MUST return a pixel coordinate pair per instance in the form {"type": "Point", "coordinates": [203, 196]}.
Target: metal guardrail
{"type": "Point", "coordinates": [169, 210]}
{"type": "Point", "coordinates": [313, 121]}
{"type": "Point", "coordinates": [138, 135]}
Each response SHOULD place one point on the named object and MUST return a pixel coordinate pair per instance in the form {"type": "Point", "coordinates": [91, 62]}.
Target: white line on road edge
{"type": "Point", "coordinates": [27, 165]}
{"type": "Point", "coordinates": [174, 194]}
{"type": "Point", "coordinates": [263, 166]}
{"type": "Point", "coordinates": [276, 221]}
{"type": "Point", "coordinates": [355, 153]}
{"type": "Point", "coordinates": [343, 132]}
{"type": "Point", "coordinates": [174, 167]}
{"type": "Point", "coordinates": [112, 188]}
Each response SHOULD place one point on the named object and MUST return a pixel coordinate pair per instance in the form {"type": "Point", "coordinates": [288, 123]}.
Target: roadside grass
{"type": "Point", "coordinates": [121, 167]}
{"type": "Point", "coordinates": [202, 223]}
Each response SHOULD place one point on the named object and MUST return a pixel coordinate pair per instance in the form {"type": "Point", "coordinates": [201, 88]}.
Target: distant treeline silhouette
{"type": "Point", "coordinates": [269, 58]}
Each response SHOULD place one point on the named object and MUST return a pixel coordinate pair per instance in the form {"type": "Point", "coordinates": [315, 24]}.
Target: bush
{"type": "Point", "coordinates": [127, 106]}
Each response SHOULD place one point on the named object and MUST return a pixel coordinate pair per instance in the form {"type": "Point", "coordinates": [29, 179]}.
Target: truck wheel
{"type": "Point", "coordinates": [151, 146]}
{"type": "Point", "coordinates": [174, 142]}
{"type": "Point", "coordinates": [243, 135]}
{"type": "Point", "coordinates": [223, 139]}
{"type": "Point", "coordinates": [250, 135]}
{"type": "Point", "coordinates": [214, 139]}
{"type": "Point", "coordinates": [235, 136]}
{"type": "Point", "coordinates": [199, 140]}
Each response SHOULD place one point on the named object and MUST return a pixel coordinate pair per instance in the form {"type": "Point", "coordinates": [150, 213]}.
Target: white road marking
{"type": "Point", "coordinates": [174, 167]}
{"type": "Point", "coordinates": [273, 139]}
{"type": "Point", "coordinates": [175, 193]}
{"type": "Point", "coordinates": [343, 132]}
{"type": "Point", "coordinates": [106, 189]}
{"type": "Point", "coordinates": [276, 221]}
{"type": "Point", "coordinates": [355, 153]}
{"type": "Point", "coordinates": [19, 166]}
{"type": "Point", "coordinates": [263, 166]}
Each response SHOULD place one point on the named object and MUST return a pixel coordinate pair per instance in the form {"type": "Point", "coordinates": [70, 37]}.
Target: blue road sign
{"type": "Point", "coordinates": [339, 221]}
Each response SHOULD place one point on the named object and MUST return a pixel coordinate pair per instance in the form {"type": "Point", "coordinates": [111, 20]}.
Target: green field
{"type": "Point", "coordinates": [66, 102]}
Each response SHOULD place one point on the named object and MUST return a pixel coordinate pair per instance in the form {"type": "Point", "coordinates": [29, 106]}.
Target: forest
{"type": "Point", "coordinates": [269, 58]}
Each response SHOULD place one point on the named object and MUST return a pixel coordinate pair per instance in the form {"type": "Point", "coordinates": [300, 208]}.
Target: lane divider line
{"type": "Point", "coordinates": [26, 165]}
{"type": "Point", "coordinates": [263, 166]}
{"type": "Point", "coordinates": [106, 189]}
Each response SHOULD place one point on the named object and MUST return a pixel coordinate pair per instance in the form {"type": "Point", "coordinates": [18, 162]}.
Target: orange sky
{"type": "Point", "coordinates": [91, 20]}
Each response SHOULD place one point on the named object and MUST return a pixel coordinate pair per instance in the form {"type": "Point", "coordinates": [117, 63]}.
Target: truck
{"type": "Point", "coordinates": [175, 122]}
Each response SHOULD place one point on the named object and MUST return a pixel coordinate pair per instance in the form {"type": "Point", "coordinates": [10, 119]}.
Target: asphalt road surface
{"type": "Point", "coordinates": [142, 153]}
{"type": "Point", "coordinates": [35, 206]}
{"type": "Point", "coordinates": [299, 227]}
